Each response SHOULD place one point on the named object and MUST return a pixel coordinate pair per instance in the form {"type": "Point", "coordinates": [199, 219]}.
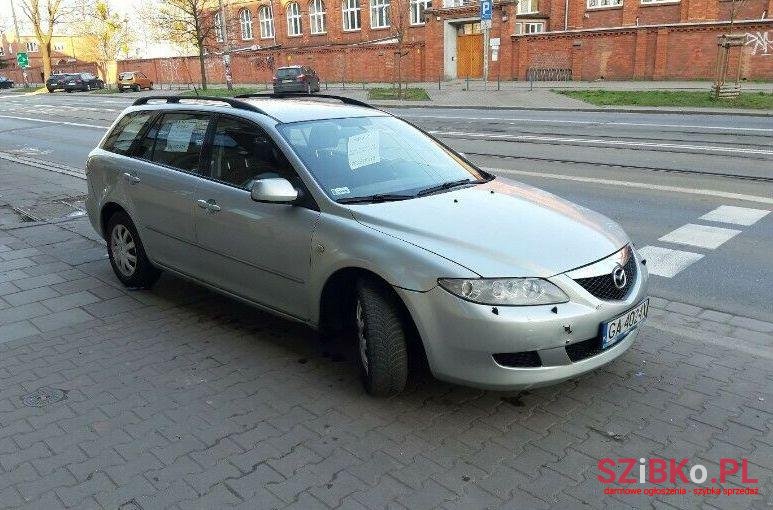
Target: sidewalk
{"type": "Point", "coordinates": [180, 398]}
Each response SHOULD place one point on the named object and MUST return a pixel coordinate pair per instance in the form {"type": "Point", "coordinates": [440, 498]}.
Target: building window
{"type": "Point", "coordinates": [599, 4]}
{"type": "Point", "coordinates": [657, 2]}
{"type": "Point", "coordinates": [266, 18]}
{"type": "Point", "coordinates": [245, 20]}
{"type": "Point", "coordinates": [59, 47]}
{"type": "Point", "coordinates": [219, 34]}
{"type": "Point", "coordinates": [530, 28]}
{"type": "Point", "coordinates": [379, 13]}
{"type": "Point", "coordinates": [417, 11]}
{"type": "Point", "coordinates": [351, 10]}
{"type": "Point", "coordinates": [529, 6]}
{"type": "Point", "coordinates": [456, 3]}
{"type": "Point", "coordinates": [317, 16]}
{"type": "Point", "coordinates": [294, 26]}
{"type": "Point", "coordinates": [32, 47]}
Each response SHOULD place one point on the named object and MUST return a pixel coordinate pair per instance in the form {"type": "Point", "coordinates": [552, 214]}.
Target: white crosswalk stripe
{"type": "Point", "coordinates": [667, 262]}
{"type": "Point", "coordinates": [737, 215]}
{"type": "Point", "coordinates": [701, 236]}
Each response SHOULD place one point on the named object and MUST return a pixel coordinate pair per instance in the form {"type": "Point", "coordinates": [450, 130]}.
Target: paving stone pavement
{"type": "Point", "coordinates": [180, 398]}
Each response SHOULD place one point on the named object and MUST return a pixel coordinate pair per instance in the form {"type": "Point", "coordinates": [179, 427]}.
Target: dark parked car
{"type": "Point", "coordinates": [56, 81]}
{"type": "Point", "coordinates": [5, 82]}
{"type": "Point", "coordinates": [296, 79]}
{"type": "Point", "coordinates": [83, 81]}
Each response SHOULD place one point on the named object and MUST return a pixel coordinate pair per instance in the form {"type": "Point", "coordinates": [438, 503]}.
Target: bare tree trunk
{"type": "Point", "coordinates": [203, 67]}
{"type": "Point", "coordinates": [45, 56]}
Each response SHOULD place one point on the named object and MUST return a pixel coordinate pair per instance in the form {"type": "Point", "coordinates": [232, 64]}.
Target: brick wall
{"type": "Point", "coordinates": [677, 52]}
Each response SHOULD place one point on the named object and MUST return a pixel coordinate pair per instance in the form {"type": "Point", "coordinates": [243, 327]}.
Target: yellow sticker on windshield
{"type": "Point", "coordinates": [363, 150]}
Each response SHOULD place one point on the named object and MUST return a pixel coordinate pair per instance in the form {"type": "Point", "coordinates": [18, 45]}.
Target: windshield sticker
{"type": "Point", "coordinates": [180, 134]}
{"type": "Point", "coordinates": [363, 150]}
{"type": "Point", "coordinates": [340, 191]}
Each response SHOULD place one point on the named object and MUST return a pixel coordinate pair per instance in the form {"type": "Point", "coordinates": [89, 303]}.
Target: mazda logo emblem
{"type": "Point", "coordinates": [619, 277]}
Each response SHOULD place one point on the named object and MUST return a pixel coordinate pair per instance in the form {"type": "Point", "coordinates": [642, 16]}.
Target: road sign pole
{"type": "Point", "coordinates": [486, 39]}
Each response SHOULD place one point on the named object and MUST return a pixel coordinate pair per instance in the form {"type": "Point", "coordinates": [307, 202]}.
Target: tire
{"type": "Point", "coordinates": [308, 88]}
{"type": "Point", "coordinates": [50, 91]}
{"type": "Point", "coordinates": [136, 88]}
{"type": "Point", "coordinates": [121, 90]}
{"type": "Point", "coordinates": [151, 86]}
{"type": "Point", "coordinates": [123, 245]}
{"type": "Point", "coordinates": [381, 337]}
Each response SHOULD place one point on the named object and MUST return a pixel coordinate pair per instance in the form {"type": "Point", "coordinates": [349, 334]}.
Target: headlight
{"type": "Point", "coordinates": [505, 291]}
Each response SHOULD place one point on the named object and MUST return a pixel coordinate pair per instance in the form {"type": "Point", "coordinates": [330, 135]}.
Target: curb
{"type": "Point", "coordinates": [584, 110]}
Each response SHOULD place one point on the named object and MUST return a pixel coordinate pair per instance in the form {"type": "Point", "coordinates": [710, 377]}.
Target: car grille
{"type": "Point", "coordinates": [603, 287]}
{"type": "Point", "coordinates": [524, 359]}
{"type": "Point", "coordinates": [583, 350]}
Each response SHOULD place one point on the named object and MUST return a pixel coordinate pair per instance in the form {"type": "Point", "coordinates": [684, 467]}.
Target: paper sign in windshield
{"type": "Point", "coordinates": [180, 135]}
{"type": "Point", "coordinates": [363, 150]}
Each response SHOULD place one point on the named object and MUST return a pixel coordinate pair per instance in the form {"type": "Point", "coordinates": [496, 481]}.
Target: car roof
{"type": "Point", "coordinates": [283, 110]}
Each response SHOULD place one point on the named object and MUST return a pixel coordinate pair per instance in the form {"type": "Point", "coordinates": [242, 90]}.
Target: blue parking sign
{"type": "Point", "coordinates": [486, 6]}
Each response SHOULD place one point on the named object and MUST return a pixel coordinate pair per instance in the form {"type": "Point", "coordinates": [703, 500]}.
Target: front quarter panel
{"type": "Point", "coordinates": [341, 242]}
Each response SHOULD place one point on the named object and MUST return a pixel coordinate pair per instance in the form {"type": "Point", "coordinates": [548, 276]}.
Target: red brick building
{"type": "Point", "coordinates": [360, 40]}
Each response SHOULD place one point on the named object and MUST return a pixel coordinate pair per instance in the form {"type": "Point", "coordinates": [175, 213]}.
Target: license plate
{"type": "Point", "coordinates": [71, 83]}
{"type": "Point", "coordinates": [287, 81]}
{"type": "Point", "coordinates": [616, 329]}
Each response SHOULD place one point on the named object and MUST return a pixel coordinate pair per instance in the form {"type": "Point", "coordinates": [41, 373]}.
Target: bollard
{"type": "Point", "coordinates": [468, 83]}
{"type": "Point", "coordinates": [438, 83]}
{"type": "Point", "coordinates": [497, 82]}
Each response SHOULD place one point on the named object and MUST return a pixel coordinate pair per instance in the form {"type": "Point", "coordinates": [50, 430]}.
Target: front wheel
{"type": "Point", "coordinates": [381, 339]}
{"type": "Point", "coordinates": [127, 254]}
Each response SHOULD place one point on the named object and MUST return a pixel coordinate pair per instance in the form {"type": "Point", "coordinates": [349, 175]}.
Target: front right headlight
{"type": "Point", "coordinates": [505, 291]}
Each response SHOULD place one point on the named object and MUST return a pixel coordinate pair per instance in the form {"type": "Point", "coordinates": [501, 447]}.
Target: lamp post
{"type": "Point", "coordinates": [18, 41]}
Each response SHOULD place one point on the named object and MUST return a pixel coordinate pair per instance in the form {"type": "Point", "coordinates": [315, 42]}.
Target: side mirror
{"type": "Point", "coordinates": [275, 190]}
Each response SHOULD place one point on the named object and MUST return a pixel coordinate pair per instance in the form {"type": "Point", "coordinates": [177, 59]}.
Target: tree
{"type": "Point", "coordinates": [44, 16]}
{"type": "Point", "coordinates": [188, 23]}
{"type": "Point", "coordinates": [106, 35]}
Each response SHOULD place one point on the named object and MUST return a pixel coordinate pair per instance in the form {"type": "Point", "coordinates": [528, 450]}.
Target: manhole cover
{"type": "Point", "coordinates": [44, 396]}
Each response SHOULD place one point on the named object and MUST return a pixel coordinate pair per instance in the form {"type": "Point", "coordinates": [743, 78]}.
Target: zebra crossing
{"type": "Point", "coordinates": [668, 262]}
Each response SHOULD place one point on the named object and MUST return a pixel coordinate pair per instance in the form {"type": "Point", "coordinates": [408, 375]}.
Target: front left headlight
{"type": "Point", "coordinates": [505, 291]}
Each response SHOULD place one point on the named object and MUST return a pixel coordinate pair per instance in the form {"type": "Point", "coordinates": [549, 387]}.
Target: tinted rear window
{"type": "Point", "coordinates": [179, 140]}
{"type": "Point", "coordinates": [287, 73]}
{"type": "Point", "coordinates": [122, 136]}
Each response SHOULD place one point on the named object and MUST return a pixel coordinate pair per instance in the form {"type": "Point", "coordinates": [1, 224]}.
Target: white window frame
{"type": "Point", "coordinates": [317, 17]}
{"type": "Point", "coordinates": [651, 2]}
{"type": "Point", "coordinates": [33, 47]}
{"type": "Point", "coordinates": [380, 13]}
{"type": "Point", "coordinates": [603, 4]}
{"type": "Point", "coordinates": [266, 20]}
{"type": "Point", "coordinates": [417, 11]}
{"type": "Point", "coordinates": [294, 21]}
{"type": "Point", "coordinates": [528, 7]}
{"type": "Point", "coordinates": [522, 30]}
{"type": "Point", "coordinates": [245, 22]}
{"type": "Point", "coordinates": [352, 13]}
{"type": "Point", "coordinates": [218, 22]}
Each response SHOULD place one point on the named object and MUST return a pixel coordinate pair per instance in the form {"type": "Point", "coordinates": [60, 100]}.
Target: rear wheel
{"type": "Point", "coordinates": [50, 91]}
{"type": "Point", "coordinates": [151, 86]}
{"type": "Point", "coordinates": [308, 88]}
{"type": "Point", "coordinates": [381, 339]}
{"type": "Point", "coordinates": [136, 88]}
{"type": "Point", "coordinates": [127, 254]}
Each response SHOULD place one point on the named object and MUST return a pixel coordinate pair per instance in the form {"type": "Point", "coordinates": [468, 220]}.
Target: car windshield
{"type": "Point", "coordinates": [289, 72]}
{"type": "Point", "coordinates": [382, 158]}
{"type": "Point", "coordinates": [126, 76]}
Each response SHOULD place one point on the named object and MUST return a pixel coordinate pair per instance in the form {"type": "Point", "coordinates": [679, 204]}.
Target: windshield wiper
{"type": "Point", "coordinates": [381, 197]}
{"type": "Point", "coordinates": [445, 186]}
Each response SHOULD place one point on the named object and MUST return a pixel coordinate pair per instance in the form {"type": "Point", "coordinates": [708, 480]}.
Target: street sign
{"type": "Point", "coordinates": [486, 6]}
{"type": "Point", "coordinates": [22, 60]}
{"type": "Point", "coordinates": [494, 42]}
{"type": "Point", "coordinates": [485, 24]}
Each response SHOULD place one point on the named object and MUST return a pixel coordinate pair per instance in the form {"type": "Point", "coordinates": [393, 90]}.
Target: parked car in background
{"type": "Point", "coordinates": [5, 82]}
{"type": "Point", "coordinates": [350, 220]}
{"type": "Point", "coordinates": [296, 79]}
{"type": "Point", "coordinates": [134, 80]}
{"type": "Point", "coordinates": [83, 82]}
{"type": "Point", "coordinates": [56, 81]}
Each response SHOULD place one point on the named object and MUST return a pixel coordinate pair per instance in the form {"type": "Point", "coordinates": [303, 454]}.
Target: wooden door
{"type": "Point", "coordinates": [469, 56]}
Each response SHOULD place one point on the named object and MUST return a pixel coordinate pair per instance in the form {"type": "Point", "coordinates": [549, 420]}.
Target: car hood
{"type": "Point", "coordinates": [499, 229]}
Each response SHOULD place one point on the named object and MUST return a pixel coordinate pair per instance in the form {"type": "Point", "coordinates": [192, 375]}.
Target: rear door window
{"type": "Point", "coordinates": [179, 140]}
{"type": "Point", "coordinates": [288, 73]}
{"type": "Point", "coordinates": [125, 132]}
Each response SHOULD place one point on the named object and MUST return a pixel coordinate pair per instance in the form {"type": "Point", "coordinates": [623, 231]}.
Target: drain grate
{"type": "Point", "coordinates": [44, 396]}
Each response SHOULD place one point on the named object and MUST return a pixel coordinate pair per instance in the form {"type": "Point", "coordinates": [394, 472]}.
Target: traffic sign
{"type": "Point", "coordinates": [485, 24]}
{"type": "Point", "coordinates": [486, 6]}
{"type": "Point", "coordinates": [22, 60]}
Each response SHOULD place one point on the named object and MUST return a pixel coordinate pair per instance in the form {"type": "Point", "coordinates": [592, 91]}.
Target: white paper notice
{"type": "Point", "coordinates": [180, 135]}
{"type": "Point", "coordinates": [363, 150]}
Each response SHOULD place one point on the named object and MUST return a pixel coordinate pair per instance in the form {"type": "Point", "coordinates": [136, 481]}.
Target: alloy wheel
{"type": "Point", "coordinates": [124, 250]}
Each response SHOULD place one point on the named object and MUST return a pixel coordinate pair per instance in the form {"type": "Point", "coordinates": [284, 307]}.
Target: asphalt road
{"type": "Point", "coordinates": [656, 174]}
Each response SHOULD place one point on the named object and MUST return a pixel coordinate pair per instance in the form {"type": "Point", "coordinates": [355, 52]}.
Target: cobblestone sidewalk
{"type": "Point", "coordinates": [180, 398]}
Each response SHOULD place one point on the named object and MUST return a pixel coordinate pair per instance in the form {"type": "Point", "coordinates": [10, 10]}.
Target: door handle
{"type": "Point", "coordinates": [130, 178]}
{"type": "Point", "coordinates": [210, 205]}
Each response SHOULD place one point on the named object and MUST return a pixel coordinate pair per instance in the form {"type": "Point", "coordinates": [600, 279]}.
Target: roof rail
{"type": "Point", "coordinates": [234, 103]}
{"type": "Point", "coordinates": [343, 99]}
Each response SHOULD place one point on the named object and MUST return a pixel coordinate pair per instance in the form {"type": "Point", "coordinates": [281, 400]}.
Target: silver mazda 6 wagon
{"type": "Point", "coordinates": [333, 213]}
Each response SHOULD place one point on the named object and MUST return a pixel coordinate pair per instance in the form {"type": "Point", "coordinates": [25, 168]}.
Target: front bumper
{"type": "Point", "coordinates": [460, 337]}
